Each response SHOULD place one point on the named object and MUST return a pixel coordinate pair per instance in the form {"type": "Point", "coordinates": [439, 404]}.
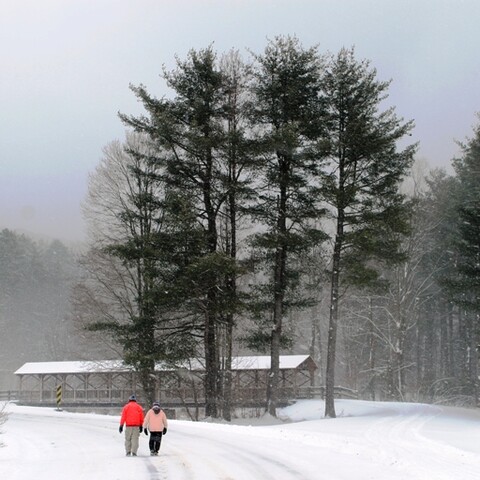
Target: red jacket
{"type": "Point", "coordinates": [132, 415]}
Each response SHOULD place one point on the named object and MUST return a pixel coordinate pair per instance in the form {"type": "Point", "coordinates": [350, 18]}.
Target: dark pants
{"type": "Point", "coordinates": [155, 441]}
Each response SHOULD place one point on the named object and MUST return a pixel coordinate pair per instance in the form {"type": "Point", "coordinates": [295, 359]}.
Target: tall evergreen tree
{"type": "Point", "coordinates": [237, 149]}
{"type": "Point", "coordinates": [190, 128]}
{"type": "Point", "coordinates": [466, 286]}
{"type": "Point", "coordinates": [439, 211]}
{"type": "Point", "coordinates": [361, 184]}
{"type": "Point", "coordinates": [287, 114]}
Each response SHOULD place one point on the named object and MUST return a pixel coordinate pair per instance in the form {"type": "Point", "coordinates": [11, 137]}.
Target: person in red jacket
{"type": "Point", "coordinates": [156, 422]}
{"type": "Point", "coordinates": [132, 418]}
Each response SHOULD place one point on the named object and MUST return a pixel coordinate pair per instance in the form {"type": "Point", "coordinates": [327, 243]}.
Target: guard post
{"type": "Point", "coordinates": [59, 396]}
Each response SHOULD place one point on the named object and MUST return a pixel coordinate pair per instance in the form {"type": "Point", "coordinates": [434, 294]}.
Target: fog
{"type": "Point", "coordinates": [66, 69]}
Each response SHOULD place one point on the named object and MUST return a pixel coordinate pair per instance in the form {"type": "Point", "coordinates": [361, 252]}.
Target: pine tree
{"type": "Point", "coordinates": [287, 116]}
{"type": "Point", "coordinates": [237, 151]}
{"type": "Point", "coordinates": [361, 184]}
{"type": "Point", "coordinates": [439, 212]}
{"type": "Point", "coordinates": [190, 129]}
{"type": "Point", "coordinates": [466, 286]}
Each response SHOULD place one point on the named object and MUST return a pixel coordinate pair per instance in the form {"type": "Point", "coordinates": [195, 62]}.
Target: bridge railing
{"type": "Point", "coordinates": [8, 395]}
{"type": "Point", "coordinates": [319, 392]}
{"type": "Point", "coordinates": [242, 396]}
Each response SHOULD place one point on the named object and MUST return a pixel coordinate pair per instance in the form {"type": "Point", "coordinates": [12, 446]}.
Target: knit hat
{"type": "Point", "coordinates": [132, 398]}
{"type": "Point", "coordinates": [156, 406]}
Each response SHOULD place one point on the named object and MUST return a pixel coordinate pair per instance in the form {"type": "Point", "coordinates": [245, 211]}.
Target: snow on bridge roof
{"type": "Point", "coordinates": [287, 362]}
{"type": "Point", "coordinates": [33, 368]}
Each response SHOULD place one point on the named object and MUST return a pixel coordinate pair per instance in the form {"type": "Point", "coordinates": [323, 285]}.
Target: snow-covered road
{"type": "Point", "coordinates": [374, 441]}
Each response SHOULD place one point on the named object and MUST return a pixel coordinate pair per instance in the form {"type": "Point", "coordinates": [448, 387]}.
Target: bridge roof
{"type": "Point", "coordinates": [287, 362]}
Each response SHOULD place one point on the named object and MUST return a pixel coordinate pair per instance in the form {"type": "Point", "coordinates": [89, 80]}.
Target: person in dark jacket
{"type": "Point", "coordinates": [132, 418]}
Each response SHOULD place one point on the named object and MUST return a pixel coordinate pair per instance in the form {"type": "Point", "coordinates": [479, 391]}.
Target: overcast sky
{"type": "Point", "coordinates": [66, 66]}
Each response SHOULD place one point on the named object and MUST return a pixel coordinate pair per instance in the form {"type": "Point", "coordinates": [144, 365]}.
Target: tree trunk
{"type": "Point", "coordinates": [272, 385]}
{"type": "Point", "coordinates": [451, 355]}
{"type": "Point", "coordinates": [273, 379]}
{"type": "Point", "coordinates": [227, 379]}
{"type": "Point", "coordinates": [472, 357]}
{"type": "Point", "coordinates": [372, 350]}
{"type": "Point", "coordinates": [333, 323]}
{"type": "Point", "coordinates": [315, 349]}
{"type": "Point", "coordinates": [211, 362]}
{"type": "Point", "coordinates": [279, 291]}
{"type": "Point", "coordinates": [147, 376]}
{"type": "Point", "coordinates": [444, 347]}
{"type": "Point", "coordinates": [210, 340]}
{"type": "Point", "coordinates": [231, 280]}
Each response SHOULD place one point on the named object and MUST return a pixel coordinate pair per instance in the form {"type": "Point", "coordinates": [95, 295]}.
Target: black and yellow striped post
{"type": "Point", "coordinates": [59, 396]}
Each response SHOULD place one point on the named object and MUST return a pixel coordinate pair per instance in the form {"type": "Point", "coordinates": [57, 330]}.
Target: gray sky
{"type": "Point", "coordinates": [66, 66]}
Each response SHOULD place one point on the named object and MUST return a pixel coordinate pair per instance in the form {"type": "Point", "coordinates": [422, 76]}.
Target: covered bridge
{"type": "Point", "coordinates": [111, 382]}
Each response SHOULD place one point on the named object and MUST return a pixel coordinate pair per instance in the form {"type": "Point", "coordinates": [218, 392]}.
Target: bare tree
{"type": "Point", "coordinates": [131, 288]}
{"type": "Point", "coordinates": [3, 418]}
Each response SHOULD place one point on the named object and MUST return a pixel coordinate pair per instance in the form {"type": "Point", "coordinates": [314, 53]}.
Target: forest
{"type": "Point", "coordinates": [269, 205]}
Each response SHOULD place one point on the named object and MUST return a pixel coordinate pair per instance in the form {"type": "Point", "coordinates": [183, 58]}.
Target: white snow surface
{"type": "Point", "coordinates": [368, 440]}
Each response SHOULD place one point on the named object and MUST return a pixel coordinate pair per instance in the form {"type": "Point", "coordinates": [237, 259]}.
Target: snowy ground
{"type": "Point", "coordinates": [374, 441]}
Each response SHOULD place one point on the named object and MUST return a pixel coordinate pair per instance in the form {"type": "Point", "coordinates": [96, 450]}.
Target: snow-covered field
{"type": "Point", "coordinates": [375, 441]}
